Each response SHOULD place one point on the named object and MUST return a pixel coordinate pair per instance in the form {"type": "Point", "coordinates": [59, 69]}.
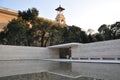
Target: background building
{"type": "Point", "coordinates": [6, 15]}
{"type": "Point", "coordinates": [60, 17]}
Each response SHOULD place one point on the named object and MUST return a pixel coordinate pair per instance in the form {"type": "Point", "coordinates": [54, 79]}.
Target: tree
{"type": "Point", "coordinates": [84, 37]}
{"type": "Point", "coordinates": [69, 34]}
{"type": "Point", "coordinates": [102, 28]}
{"type": "Point", "coordinates": [2, 37]}
{"type": "Point", "coordinates": [43, 31]}
{"type": "Point", "coordinates": [53, 35]}
{"type": "Point", "coordinates": [16, 32]}
{"type": "Point", "coordinates": [92, 38]}
{"type": "Point", "coordinates": [110, 31]}
{"type": "Point", "coordinates": [99, 37]}
{"type": "Point", "coordinates": [64, 35]}
{"type": "Point", "coordinates": [90, 31]}
{"type": "Point", "coordinates": [105, 31]}
{"type": "Point", "coordinates": [115, 30]}
{"type": "Point", "coordinates": [30, 15]}
{"type": "Point", "coordinates": [74, 34]}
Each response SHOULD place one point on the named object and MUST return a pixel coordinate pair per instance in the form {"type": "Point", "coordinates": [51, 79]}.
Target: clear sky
{"type": "Point", "coordinates": [83, 13]}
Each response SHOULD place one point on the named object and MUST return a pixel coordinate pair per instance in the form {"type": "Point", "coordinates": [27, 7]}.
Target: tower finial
{"type": "Point", "coordinates": [60, 9]}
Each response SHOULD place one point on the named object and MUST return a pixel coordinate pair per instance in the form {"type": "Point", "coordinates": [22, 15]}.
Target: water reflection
{"type": "Point", "coordinates": [95, 70]}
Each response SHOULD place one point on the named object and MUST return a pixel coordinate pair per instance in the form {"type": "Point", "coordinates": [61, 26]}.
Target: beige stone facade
{"type": "Point", "coordinates": [6, 15]}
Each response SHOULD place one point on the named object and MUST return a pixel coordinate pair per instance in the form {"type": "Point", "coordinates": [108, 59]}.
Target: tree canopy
{"type": "Point", "coordinates": [110, 32]}
{"type": "Point", "coordinates": [44, 32]}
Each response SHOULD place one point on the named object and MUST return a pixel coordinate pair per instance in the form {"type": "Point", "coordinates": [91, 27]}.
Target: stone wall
{"type": "Point", "coordinates": [98, 50]}
{"type": "Point", "coordinates": [110, 49]}
{"type": "Point", "coordinates": [22, 60]}
{"type": "Point", "coordinates": [21, 52]}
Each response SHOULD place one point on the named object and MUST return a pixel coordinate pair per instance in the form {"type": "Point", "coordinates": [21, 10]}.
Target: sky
{"type": "Point", "coordinates": [86, 14]}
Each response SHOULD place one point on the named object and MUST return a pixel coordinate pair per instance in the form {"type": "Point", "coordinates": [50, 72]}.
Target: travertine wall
{"type": "Point", "coordinates": [98, 49]}
{"type": "Point", "coordinates": [21, 52]}
{"type": "Point", "coordinates": [105, 49]}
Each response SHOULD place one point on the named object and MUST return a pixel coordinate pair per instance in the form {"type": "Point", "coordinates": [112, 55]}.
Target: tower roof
{"type": "Point", "coordinates": [60, 9]}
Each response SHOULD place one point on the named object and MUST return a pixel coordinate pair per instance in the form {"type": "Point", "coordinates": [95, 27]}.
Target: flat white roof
{"type": "Point", "coordinates": [100, 44]}
{"type": "Point", "coordinates": [67, 45]}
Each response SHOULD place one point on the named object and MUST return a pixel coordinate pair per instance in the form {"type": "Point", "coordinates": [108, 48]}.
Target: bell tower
{"type": "Point", "coordinates": [60, 17]}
